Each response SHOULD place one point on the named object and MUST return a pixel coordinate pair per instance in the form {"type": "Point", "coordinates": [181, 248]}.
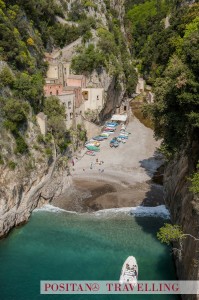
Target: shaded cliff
{"type": "Point", "coordinates": [184, 208]}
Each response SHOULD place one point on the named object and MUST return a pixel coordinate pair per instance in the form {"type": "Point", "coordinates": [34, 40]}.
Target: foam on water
{"type": "Point", "coordinates": [138, 211]}
{"type": "Point", "coordinates": [51, 208]}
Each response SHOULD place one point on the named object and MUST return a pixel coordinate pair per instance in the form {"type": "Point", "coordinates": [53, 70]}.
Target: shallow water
{"type": "Point", "coordinates": [64, 246]}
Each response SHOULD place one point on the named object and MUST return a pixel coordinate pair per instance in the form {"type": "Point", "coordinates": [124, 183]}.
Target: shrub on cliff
{"type": "Point", "coordinates": [88, 60]}
{"type": "Point", "coordinates": [14, 112]}
{"type": "Point", "coordinates": [6, 78]}
{"type": "Point", "coordinates": [195, 181]}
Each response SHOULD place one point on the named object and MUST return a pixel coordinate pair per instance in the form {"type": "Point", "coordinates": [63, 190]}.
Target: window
{"type": "Point", "coordinates": [69, 104]}
{"type": "Point", "coordinates": [65, 70]}
{"type": "Point", "coordinates": [57, 92]}
{"type": "Point", "coordinates": [97, 97]}
{"type": "Point", "coordinates": [71, 115]}
{"type": "Point", "coordinates": [125, 108]}
{"type": "Point", "coordinates": [51, 93]}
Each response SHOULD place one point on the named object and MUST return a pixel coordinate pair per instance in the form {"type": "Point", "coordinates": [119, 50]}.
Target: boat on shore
{"type": "Point", "coordinates": [129, 273]}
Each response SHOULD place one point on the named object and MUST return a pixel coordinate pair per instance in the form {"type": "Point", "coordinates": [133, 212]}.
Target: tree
{"type": "Point", "coordinates": [169, 233]}
{"type": "Point", "coordinates": [173, 233]}
{"type": "Point", "coordinates": [30, 88]}
{"type": "Point", "coordinates": [88, 60]}
{"type": "Point", "coordinates": [6, 77]}
{"type": "Point", "coordinates": [56, 121]}
{"type": "Point", "coordinates": [15, 110]}
{"type": "Point", "coordinates": [53, 108]}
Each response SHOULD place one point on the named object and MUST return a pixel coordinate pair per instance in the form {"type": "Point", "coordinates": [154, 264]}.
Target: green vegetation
{"type": "Point", "coordinates": [6, 78]}
{"type": "Point", "coordinates": [169, 60]}
{"type": "Point", "coordinates": [81, 133]}
{"type": "Point", "coordinates": [12, 165]}
{"type": "Point", "coordinates": [1, 159]}
{"type": "Point", "coordinates": [88, 60]}
{"type": "Point", "coordinates": [56, 123]}
{"type": "Point", "coordinates": [169, 233]}
{"type": "Point", "coordinates": [14, 113]}
{"type": "Point", "coordinates": [21, 146]}
{"type": "Point", "coordinates": [195, 181]}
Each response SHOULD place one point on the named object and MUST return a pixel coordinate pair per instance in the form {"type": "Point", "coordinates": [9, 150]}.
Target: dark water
{"type": "Point", "coordinates": [63, 246]}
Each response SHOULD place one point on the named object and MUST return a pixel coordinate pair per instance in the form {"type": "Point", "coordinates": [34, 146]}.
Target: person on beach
{"type": "Point", "coordinates": [73, 163]}
{"type": "Point", "coordinates": [91, 166]}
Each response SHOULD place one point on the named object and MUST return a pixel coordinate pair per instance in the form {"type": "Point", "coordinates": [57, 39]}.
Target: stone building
{"type": "Point", "coordinates": [93, 98]}
{"type": "Point", "coordinates": [124, 107]}
{"type": "Point", "coordinates": [68, 99]}
{"type": "Point", "coordinates": [76, 80]}
{"type": "Point", "coordinates": [52, 88]}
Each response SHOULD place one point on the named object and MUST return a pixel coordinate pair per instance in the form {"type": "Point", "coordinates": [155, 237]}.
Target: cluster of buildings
{"type": "Point", "coordinates": [72, 90]}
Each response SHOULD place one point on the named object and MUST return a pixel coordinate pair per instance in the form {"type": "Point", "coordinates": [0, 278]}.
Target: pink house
{"type": "Point", "coordinates": [53, 89]}
{"type": "Point", "coordinates": [76, 80]}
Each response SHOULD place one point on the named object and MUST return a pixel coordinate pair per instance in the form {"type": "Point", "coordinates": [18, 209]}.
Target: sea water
{"type": "Point", "coordinates": [65, 246]}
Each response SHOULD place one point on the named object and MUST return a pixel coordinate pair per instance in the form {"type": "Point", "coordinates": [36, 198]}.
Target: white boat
{"type": "Point", "coordinates": [129, 273]}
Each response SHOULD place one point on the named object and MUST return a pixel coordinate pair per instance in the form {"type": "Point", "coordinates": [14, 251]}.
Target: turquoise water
{"type": "Point", "coordinates": [63, 246]}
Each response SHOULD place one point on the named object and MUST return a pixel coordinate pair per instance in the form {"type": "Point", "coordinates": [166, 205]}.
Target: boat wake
{"type": "Point", "coordinates": [138, 211]}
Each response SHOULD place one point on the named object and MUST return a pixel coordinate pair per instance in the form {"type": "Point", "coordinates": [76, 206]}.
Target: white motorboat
{"type": "Point", "coordinates": [129, 273]}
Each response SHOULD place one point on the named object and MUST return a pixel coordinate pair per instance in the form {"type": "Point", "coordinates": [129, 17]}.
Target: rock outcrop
{"type": "Point", "coordinates": [184, 208]}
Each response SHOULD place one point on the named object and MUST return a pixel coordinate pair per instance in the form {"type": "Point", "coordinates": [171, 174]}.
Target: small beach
{"type": "Point", "coordinates": [116, 177]}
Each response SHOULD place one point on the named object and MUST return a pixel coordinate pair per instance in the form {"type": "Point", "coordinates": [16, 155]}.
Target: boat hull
{"type": "Point", "coordinates": [129, 273]}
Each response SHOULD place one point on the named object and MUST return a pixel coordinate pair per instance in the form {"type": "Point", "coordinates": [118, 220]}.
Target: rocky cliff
{"type": "Point", "coordinates": [184, 208]}
{"type": "Point", "coordinates": [28, 181]}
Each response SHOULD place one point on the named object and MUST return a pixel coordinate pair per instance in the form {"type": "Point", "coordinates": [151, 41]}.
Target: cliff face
{"type": "Point", "coordinates": [19, 195]}
{"type": "Point", "coordinates": [184, 208]}
{"type": "Point", "coordinates": [28, 181]}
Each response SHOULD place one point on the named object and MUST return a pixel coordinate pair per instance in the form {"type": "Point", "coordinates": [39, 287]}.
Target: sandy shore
{"type": "Point", "coordinates": [123, 180]}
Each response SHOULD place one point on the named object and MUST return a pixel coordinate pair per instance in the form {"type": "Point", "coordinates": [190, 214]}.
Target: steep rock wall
{"type": "Point", "coordinates": [19, 196]}
{"type": "Point", "coordinates": [184, 208]}
{"type": "Point", "coordinates": [28, 181]}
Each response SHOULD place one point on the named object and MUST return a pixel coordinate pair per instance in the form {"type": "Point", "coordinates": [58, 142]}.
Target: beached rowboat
{"type": "Point", "coordinates": [91, 153]}
{"type": "Point", "coordinates": [92, 148]}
